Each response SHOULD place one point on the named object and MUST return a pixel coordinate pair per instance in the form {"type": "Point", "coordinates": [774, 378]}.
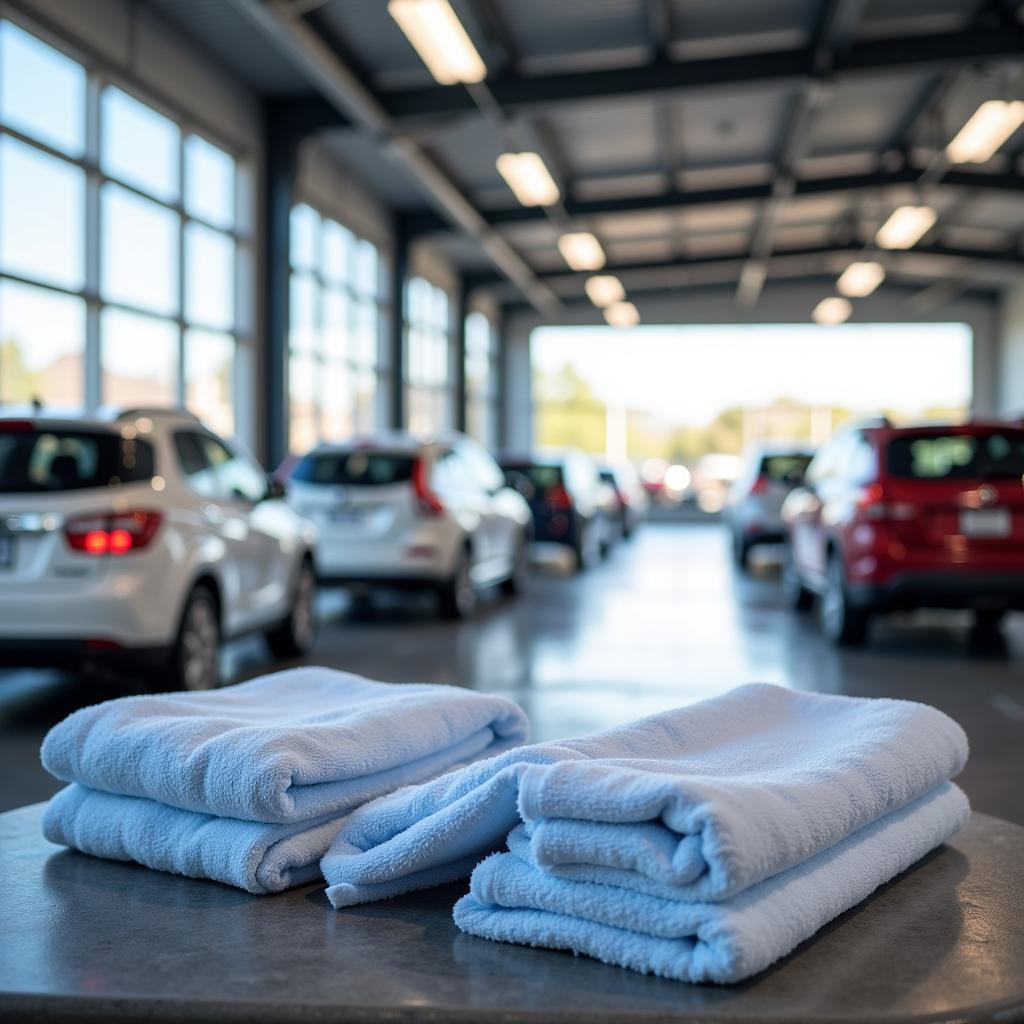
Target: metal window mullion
{"type": "Point", "coordinates": [93, 368]}
{"type": "Point", "coordinates": [182, 221]}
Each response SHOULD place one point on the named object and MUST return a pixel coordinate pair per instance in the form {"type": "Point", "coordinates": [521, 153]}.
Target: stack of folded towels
{"type": "Point", "coordinates": [247, 785]}
{"type": "Point", "coordinates": [701, 844]}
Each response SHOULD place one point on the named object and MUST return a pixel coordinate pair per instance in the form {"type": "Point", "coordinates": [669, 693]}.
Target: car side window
{"type": "Point", "coordinates": [198, 473]}
{"type": "Point", "coordinates": [237, 478]}
{"type": "Point", "coordinates": [861, 465]}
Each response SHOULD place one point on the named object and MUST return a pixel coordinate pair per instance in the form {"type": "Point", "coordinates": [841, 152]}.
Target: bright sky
{"type": "Point", "coordinates": [689, 374]}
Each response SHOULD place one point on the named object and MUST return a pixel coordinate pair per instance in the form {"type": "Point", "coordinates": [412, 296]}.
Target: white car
{"type": "Point", "coordinates": [753, 509]}
{"type": "Point", "coordinates": [144, 539]}
{"type": "Point", "coordinates": [396, 511]}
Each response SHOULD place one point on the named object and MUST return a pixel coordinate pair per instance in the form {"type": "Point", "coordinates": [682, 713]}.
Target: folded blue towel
{"type": "Point", "coordinates": [289, 747]}
{"type": "Point", "coordinates": [252, 855]}
{"type": "Point", "coordinates": [729, 791]}
{"type": "Point", "coordinates": [511, 901]}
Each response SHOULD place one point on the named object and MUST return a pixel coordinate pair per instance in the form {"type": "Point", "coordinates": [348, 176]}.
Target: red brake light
{"type": "Point", "coordinates": [112, 533]}
{"type": "Point", "coordinates": [16, 426]}
{"type": "Point", "coordinates": [872, 505]}
{"type": "Point", "coordinates": [428, 503]}
{"type": "Point", "coordinates": [759, 486]}
{"type": "Point", "coordinates": [558, 497]}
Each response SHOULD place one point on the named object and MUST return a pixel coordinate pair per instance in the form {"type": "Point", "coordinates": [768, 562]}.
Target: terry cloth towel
{"type": "Point", "coordinates": [729, 791]}
{"type": "Point", "coordinates": [289, 747]}
{"type": "Point", "coordinates": [512, 901]}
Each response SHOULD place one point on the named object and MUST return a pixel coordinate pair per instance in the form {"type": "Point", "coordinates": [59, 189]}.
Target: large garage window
{"type": "Point", "coordinates": [334, 339]}
{"type": "Point", "coordinates": [481, 380]}
{"type": "Point", "coordinates": [139, 216]}
{"type": "Point", "coordinates": [427, 357]}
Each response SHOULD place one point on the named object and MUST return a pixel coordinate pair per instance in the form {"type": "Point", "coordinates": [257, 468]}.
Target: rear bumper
{"type": "Point", "coordinates": [941, 590]}
{"type": "Point", "coordinates": [72, 652]}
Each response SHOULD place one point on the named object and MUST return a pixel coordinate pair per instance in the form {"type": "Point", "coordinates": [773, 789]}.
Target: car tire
{"type": "Point", "coordinates": [194, 663]}
{"type": "Point", "coordinates": [296, 635]}
{"type": "Point", "coordinates": [457, 595]}
{"type": "Point", "coordinates": [794, 593]}
{"type": "Point", "coordinates": [842, 624]}
{"type": "Point", "coordinates": [740, 551]}
{"type": "Point", "coordinates": [515, 583]}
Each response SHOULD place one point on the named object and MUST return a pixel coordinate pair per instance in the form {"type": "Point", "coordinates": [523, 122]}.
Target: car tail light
{"type": "Point", "coordinates": [558, 497]}
{"type": "Point", "coordinates": [759, 486]}
{"type": "Point", "coordinates": [873, 505]}
{"type": "Point", "coordinates": [112, 533]}
{"type": "Point", "coordinates": [16, 426]}
{"type": "Point", "coordinates": [428, 503]}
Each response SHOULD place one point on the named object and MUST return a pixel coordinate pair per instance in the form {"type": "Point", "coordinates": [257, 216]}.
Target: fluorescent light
{"type": "Point", "coordinates": [439, 38]}
{"type": "Point", "coordinates": [529, 179]}
{"type": "Point", "coordinates": [985, 131]}
{"type": "Point", "coordinates": [859, 280]}
{"type": "Point", "coordinates": [604, 290]}
{"type": "Point", "coordinates": [832, 311]}
{"type": "Point", "coordinates": [582, 251]}
{"type": "Point", "coordinates": [622, 314]}
{"type": "Point", "coordinates": [906, 225]}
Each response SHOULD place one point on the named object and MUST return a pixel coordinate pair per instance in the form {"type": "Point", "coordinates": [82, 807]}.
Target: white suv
{"type": "Point", "coordinates": [396, 511]}
{"type": "Point", "coordinates": [145, 539]}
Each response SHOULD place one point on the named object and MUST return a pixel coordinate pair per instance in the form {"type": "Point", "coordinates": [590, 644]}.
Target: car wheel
{"type": "Point", "coordinates": [515, 584]}
{"type": "Point", "coordinates": [843, 625]}
{"type": "Point", "coordinates": [297, 634]}
{"type": "Point", "coordinates": [740, 551]}
{"type": "Point", "coordinates": [458, 593]}
{"type": "Point", "coordinates": [195, 660]}
{"type": "Point", "coordinates": [794, 593]}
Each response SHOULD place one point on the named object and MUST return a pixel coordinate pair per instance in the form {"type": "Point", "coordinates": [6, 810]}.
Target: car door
{"type": "Point", "coordinates": [499, 525]}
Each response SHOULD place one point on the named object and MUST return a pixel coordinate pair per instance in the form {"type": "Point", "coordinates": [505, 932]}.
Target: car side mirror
{"type": "Point", "coordinates": [275, 489]}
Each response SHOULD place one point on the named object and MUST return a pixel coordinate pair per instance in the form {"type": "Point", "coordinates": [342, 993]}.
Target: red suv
{"type": "Point", "coordinates": [908, 517]}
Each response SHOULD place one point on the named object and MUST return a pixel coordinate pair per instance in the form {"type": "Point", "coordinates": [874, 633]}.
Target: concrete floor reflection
{"type": "Point", "coordinates": [665, 621]}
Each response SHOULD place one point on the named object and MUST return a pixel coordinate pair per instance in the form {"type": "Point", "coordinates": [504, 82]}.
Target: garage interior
{"type": "Point", "coordinates": [724, 162]}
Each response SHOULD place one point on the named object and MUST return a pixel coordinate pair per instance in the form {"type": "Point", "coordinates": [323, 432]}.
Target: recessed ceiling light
{"type": "Point", "coordinates": [985, 131]}
{"type": "Point", "coordinates": [605, 289]}
{"type": "Point", "coordinates": [859, 280]}
{"type": "Point", "coordinates": [905, 227]}
{"type": "Point", "coordinates": [438, 37]}
{"type": "Point", "coordinates": [529, 178]}
{"type": "Point", "coordinates": [832, 311]}
{"type": "Point", "coordinates": [581, 250]}
{"type": "Point", "coordinates": [622, 314]}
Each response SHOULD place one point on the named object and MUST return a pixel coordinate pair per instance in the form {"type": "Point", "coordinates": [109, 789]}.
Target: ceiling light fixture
{"type": "Point", "coordinates": [905, 227]}
{"type": "Point", "coordinates": [604, 290]}
{"type": "Point", "coordinates": [438, 37]}
{"type": "Point", "coordinates": [622, 314]}
{"type": "Point", "coordinates": [582, 251]}
{"type": "Point", "coordinates": [832, 311]}
{"type": "Point", "coordinates": [859, 280]}
{"type": "Point", "coordinates": [985, 131]}
{"type": "Point", "coordinates": [529, 178]}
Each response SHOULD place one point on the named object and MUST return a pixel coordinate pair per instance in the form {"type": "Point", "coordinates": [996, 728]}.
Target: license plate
{"type": "Point", "coordinates": [986, 522]}
{"type": "Point", "coordinates": [345, 515]}
{"type": "Point", "coordinates": [6, 552]}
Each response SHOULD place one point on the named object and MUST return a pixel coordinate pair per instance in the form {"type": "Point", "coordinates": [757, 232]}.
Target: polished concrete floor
{"type": "Point", "coordinates": [665, 621]}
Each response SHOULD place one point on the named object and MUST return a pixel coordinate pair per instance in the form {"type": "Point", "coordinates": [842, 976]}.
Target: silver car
{"type": "Point", "coordinates": [754, 504]}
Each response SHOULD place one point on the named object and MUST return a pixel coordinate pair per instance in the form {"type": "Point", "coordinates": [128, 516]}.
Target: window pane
{"type": "Point", "coordinates": [209, 182]}
{"type": "Point", "coordinates": [140, 146]}
{"type": "Point", "coordinates": [336, 421]}
{"type": "Point", "coordinates": [305, 227]}
{"type": "Point", "coordinates": [338, 243]}
{"type": "Point", "coordinates": [42, 92]}
{"type": "Point", "coordinates": [209, 374]}
{"type": "Point", "coordinates": [365, 349]}
{"type": "Point", "coordinates": [42, 206]}
{"type": "Point", "coordinates": [139, 356]}
{"type": "Point", "coordinates": [303, 313]}
{"type": "Point", "coordinates": [303, 431]}
{"type": "Point", "coordinates": [42, 347]}
{"type": "Point", "coordinates": [209, 277]}
{"type": "Point", "coordinates": [366, 268]}
{"type": "Point", "coordinates": [336, 326]}
{"type": "Point", "coordinates": [140, 251]}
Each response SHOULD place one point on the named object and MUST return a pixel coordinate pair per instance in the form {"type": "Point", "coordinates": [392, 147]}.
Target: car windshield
{"type": "Point", "coordinates": [785, 469]}
{"type": "Point", "coordinates": [44, 459]}
{"type": "Point", "coordinates": [355, 469]}
{"type": "Point", "coordinates": [994, 455]}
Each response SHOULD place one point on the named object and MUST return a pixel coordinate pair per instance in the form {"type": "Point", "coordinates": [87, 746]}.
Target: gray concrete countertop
{"type": "Point", "coordinates": [85, 939]}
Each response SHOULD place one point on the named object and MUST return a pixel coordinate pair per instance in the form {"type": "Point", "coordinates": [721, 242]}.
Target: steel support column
{"type": "Point", "coordinates": [399, 275]}
{"type": "Point", "coordinates": [458, 348]}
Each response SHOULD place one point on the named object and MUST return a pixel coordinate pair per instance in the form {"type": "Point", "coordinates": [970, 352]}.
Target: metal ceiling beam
{"type": "Point", "coordinates": [521, 92]}
{"type": "Point", "coordinates": [343, 88]}
{"type": "Point", "coordinates": [428, 222]}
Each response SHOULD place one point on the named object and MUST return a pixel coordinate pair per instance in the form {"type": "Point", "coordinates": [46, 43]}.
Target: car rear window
{"type": "Point", "coordinates": [34, 460]}
{"type": "Point", "coordinates": [541, 477]}
{"type": "Point", "coordinates": [784, 468]}
{"type": "Point", "coordinates": [354, 469]}
{"type": "Point", "coordinates": [997, 455]}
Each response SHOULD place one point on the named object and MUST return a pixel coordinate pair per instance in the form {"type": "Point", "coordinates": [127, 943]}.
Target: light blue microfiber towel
{"type": "Point", "coordinates": [512, 901]}
{"type": "Point", "coordinates": [256, 856]}
{"type": "Point", "coordinates": [289, 747]}
{"type": "Point", "coordinates": [729, 791]}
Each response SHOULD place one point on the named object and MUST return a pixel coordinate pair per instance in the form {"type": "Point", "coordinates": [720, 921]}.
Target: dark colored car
{"type": "Point", "coordinates": [629, 499]}
{"type": "Point", "coordinates": [568, 499]}
{"type": "Point", "coordinates": [912, 517]}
